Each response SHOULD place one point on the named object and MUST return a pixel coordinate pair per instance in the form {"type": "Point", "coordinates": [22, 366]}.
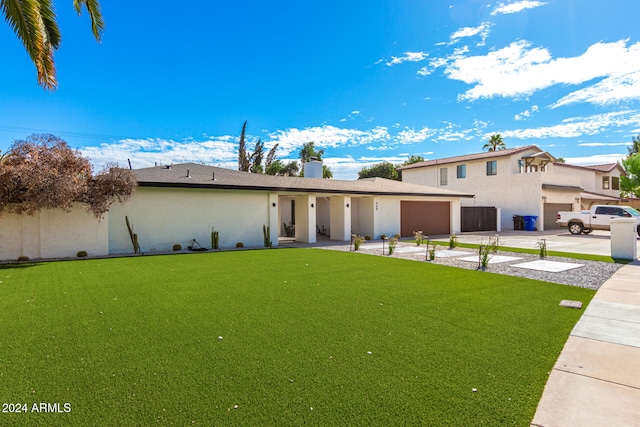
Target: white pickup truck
{"type": "Point", "coordinates": [598, 218]}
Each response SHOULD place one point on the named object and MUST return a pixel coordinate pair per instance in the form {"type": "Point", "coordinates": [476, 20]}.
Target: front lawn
{"type": "Point", "coordinates": [276, 337]}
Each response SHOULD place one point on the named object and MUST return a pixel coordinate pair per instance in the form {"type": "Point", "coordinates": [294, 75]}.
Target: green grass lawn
{"type": "Point", "coordinates": [309, 336]}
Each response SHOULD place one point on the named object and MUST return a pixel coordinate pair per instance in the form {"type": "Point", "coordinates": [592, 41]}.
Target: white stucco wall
{"type": "Point", "coordinates": [164, 216]}
{"type": "Point", "coordinates": [323, 212]}
{"type": "Point", "coordinates": [513, 192]}
{"type": "Point", "coordinates": [53, 233]}
{"type": "Point", "coordinates": [387, 214]}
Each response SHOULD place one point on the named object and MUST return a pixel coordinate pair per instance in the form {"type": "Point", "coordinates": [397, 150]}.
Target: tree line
{"type": "Point", "coordinates": [252, 161]}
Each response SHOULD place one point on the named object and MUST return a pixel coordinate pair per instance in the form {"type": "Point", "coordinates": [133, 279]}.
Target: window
{"type": "Point", "coordinates": [293, 212]}
{"type": "Point", "coordinates": [492, 168]}
{"type": "Point", "coordinates": [461, 171]}
{"type": "Point", "coordinates": [521, 166]}
{"type": "Point", "coordinates": [605, 182]}
{"type": "Point", "coordinates": [615, 183]}
{"type": "Point", "coordinates": [443, 176]}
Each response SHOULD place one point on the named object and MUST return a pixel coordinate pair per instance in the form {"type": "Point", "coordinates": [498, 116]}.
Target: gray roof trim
{"type": "Point", "coordinates": [191, 175]}
{"type": "Point", "coordinates": [561, 187]}
{"type": "Point", "coordinates": [295, 189]}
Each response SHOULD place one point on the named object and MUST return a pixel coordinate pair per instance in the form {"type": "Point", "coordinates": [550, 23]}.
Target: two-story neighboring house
{"type": "Point", "coordinates": [522, 181]}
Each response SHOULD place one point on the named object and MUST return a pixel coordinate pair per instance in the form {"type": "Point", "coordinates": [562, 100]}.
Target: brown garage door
{"type": "Point", "coordinates": [433, 218]}
{"type": "Point", "coordinates": [550, 213]}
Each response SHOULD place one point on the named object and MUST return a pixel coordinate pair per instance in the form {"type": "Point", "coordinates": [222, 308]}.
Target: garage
{"type": "Point", "coordinates": [550, 213]}
{"type": "Point", "coordinates": [433, 218]}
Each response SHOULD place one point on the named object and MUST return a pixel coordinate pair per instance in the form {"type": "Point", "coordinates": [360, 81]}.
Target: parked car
{"type": "Point", "coordinates": [597, 218]}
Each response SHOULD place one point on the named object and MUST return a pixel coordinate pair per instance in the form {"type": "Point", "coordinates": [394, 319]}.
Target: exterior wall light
{"type": "Point", "coordinates": [347, 204]}
{"type": "Point", "coordinates": [311, 204]}
{"type": "Point", "coordinates": [273, 204]}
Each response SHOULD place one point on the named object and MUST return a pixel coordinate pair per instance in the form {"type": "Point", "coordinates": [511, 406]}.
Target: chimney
{"type": "Point", "coordinates": [312, 169]}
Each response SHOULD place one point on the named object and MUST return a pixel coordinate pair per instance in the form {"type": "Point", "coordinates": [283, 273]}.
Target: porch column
{"type": "Point", "coordinates": [274, 218]}
{"type": "Point", "coordinates": [340, 211]}
{"type": "Point", "coordinates": [306, 218]}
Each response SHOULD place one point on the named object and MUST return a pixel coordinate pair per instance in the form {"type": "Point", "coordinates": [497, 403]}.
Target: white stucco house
{"type": "Point", "coordinates": [179, 203]}
{"type": "Point", "coordinates": [520, 181]}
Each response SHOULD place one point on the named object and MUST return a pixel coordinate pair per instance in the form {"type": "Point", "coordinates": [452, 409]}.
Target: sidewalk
{"type": "Point", "coordinates": [596, 380]}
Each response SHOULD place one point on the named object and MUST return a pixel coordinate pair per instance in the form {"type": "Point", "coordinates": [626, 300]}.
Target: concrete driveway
{"type": "Point", "coordinates": [596, 243]}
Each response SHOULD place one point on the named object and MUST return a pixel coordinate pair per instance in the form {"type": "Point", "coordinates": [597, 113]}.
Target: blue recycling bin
{"type": "Point", "coordinates": [530, 222]}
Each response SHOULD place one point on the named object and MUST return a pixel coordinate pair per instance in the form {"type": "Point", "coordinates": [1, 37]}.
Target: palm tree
{"type": "Point", "coordinates": [495, 143]}
{"type": "Point", "coordinates": [34, 22]}
{"type": "Point", "coordinates": [635, 145]}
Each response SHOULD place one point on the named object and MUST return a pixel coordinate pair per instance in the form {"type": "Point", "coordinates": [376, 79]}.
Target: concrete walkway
{"type": "Point", "coordinates": [596, 380]}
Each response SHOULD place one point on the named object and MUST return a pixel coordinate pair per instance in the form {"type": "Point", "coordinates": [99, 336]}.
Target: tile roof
{"type": "Point", "coordinates": [470, 157]}
{"type": "Point", "coordinates": [193, 175]}
{"type": "Point", "coordinates": [608, 167]}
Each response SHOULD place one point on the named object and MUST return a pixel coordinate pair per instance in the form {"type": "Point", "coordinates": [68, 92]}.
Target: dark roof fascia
{"type": "Point", "coordinates": [291, 189]}
{"type": "Point", "coordinates": [483, 156]}
{"type": "Point", "coordinates": [561, 187]}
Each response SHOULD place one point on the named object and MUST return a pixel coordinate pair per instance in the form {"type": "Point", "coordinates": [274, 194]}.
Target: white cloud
{"type": "Point", "coordinates": [579, 126]}
{"type": "Point", "coordinates": [326, 136]}
{"type": "Point", "coordinates": [519, 70]}
{"type": "Point", "coordinates": [424, 71]}
{"type": "Point", "coordinates": [527, 113]}
{"type": "Point", "coordinates": [613, 89]}
{"type": "Point", "coordinates": [603, 144]}
{"type": "Point", "coordinates": [516, 7]}
{"type": "Point", "coordinates": [408, 57]}
{"type": "Point", "coordinates": [147, 152]}
{"type": "Point", "coordinates": [482, 30]}
{"type": "Point", "coordinates": [410, 136]}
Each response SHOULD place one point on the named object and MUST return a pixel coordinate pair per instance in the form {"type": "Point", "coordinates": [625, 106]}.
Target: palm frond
{"type": "Point", "coordinates": [93, 7]}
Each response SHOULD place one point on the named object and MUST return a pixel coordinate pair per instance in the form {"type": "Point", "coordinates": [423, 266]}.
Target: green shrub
{"type": "Point", "coordinates": [383, 236]}
{"type": "Point", "coordinates": [357, 241]}
{"type": "Point", "coordinates": [239, 245]}
{"type": "Point", "coordinates": [393, 242]}
{"type": "Point", "coordinates": [82, 254]}
{"type": "Point", "coordinates": [177, 247]}
{"type": "Point", "coordinates": [23, 258]}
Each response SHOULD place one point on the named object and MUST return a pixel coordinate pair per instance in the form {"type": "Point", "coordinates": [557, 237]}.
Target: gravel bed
{"type": "Point", "coordinates": [591, 275]}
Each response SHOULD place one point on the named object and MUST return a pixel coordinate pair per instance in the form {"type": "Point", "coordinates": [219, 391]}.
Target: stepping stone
{"type": "Point", "coordinates": [373, 246]}
{"type": "Point", "coordinates": [494, 259]}
{"type": "Point", "coordinates": [411, 249]}
{"type": "Point", "coordinates": [449, 254]}
{"type": "Point", "coordinates": [550, 266]}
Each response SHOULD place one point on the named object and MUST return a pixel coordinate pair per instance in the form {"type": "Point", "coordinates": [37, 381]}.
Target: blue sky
{"type": "Point", "coordinates": [367, 81]}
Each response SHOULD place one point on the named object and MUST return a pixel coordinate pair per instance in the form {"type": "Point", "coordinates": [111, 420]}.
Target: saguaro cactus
{"type": "Point", "coordinates": [133, 236]}
{"type": "Point", "coordinates": [215, 239]}
{"type": "Point", "coordinates": [266, 233]}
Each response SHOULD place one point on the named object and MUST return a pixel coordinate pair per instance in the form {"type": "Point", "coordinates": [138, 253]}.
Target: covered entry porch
{"type": "Point", "coordinates": [306, 218]}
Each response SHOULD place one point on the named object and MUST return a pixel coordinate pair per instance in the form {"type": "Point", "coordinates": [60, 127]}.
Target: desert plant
{"type": "Point", "coordinates": [357, 241]}
{"type": "Point", "coordinates": [484, 252]}
{"type": "Point", "coordinates": [215, 239]}
{"type": "Point", "coordinates": [453, 241]}
{"type": "Point", "coordinates": [133, 236]}
{"type": "Point", "coordinates": [289, 230]}
{"type": "Point", "coordinates": [177, 247]}
{"type": "Point", "coordinates": [23, 258]}
{"type": "Point", "coordinates": [417, 235]}
{"type": "Point", "coordinates": [239, 245]}
{"type": "Point", "coordinates": [266, 233]}
{"type": "Point", "coordinates": [396, 236]}
{"type": "Point", "coordinates": [82, 254]}
{"type": "Point", "coordinates": [393, 242]}
{"type": "Point", "coordinates": [542, 247]}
